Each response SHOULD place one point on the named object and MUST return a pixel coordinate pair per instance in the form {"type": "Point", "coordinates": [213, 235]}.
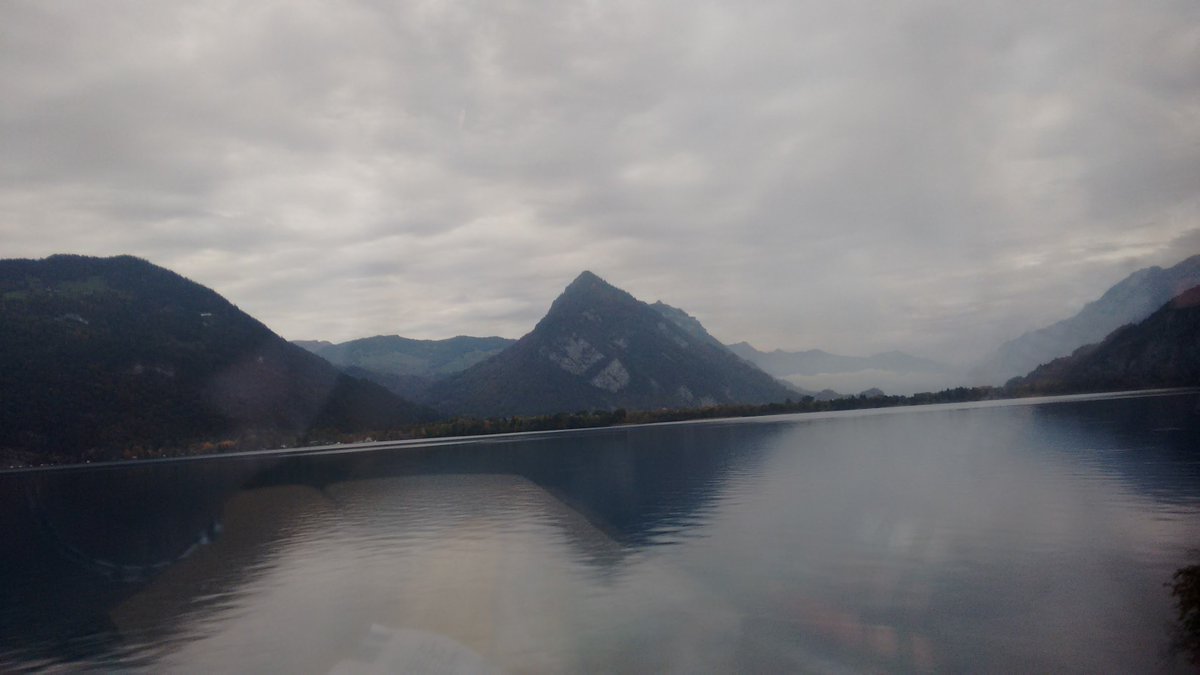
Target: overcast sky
{"type": "Point", "coordinates": [850, 175]}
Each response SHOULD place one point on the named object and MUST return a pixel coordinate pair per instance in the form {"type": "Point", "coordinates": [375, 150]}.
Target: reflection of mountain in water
{"type": "Point", "coordinates": [79, 541]}
{"type": "Point", "coordinates": [494, 542]}
{"type": "Point", "coordinates": [640, 485]}
{"type": "Point", "coordinates": [124, 551]}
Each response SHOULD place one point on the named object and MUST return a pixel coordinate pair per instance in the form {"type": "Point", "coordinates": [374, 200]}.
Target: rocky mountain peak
{"type": "Point", "coordinates": [600, 348]}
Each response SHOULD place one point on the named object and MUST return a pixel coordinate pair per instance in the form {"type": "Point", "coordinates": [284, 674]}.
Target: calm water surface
{"type": "Point", "coordinates": [997, 538]}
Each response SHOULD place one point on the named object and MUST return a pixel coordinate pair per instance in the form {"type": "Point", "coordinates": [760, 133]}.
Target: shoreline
{"type": "Point", "coordinates": [438, 441]}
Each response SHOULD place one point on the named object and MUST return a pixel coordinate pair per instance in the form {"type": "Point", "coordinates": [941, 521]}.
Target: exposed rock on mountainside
{"type": "Point", "coordinates": [600, 348]}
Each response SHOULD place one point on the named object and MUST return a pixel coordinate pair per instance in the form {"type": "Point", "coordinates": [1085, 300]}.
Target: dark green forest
{"type": "Point", "coordinates": [115, 357]}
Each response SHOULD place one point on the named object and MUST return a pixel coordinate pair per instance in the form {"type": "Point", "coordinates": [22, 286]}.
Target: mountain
{"type": "Point", "coordinates": [816, 361]}
{"type": "Point", "coordinates": [688, 323]}
{"type": "Point", "coordinates": [1161, 351]}
{"type": "Point", "coordinates": [896, 372]}
{"type": "Point", "coordinates": [395, 355]}
{"type": "Point", "coordinates": [101, 354]}
{"type": "Point", "coordinates": [694, 328]}
{"type": "Point", "coordinates": [405, 366]}
{"type": "Point", "coordinates": [598, 347]}
{"type": "Point", "coordinates": [1130, 301]}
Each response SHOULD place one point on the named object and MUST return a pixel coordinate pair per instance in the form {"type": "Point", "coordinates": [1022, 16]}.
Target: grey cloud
{"type": "Point", "coordinates": [862, 176]}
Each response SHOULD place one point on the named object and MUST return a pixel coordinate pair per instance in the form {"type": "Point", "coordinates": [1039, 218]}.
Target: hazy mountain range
{"type": "Point", "coordinates": [101, 356]}
{"type": "Point", "coordinates": [1130, 301]}
{"type": "Point", "coordinates": [397, 355]}
{"type": "Point", "coordinates": [409, 367]}
{"type": "Point", "coordinates": [816, 361]}
{"type": "Point", "coordinates": [1161, 351]}
{"type": "Point", "coordinates": [894, 372]}
{"type": "Point", "coordinates": [404, 366]}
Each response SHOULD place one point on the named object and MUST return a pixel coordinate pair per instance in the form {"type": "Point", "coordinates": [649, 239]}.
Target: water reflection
{"type": "Point", "coordinates": [111, 556]}
{"type": "Point", "coordinates": [1152, 444]}
{"type": "Point", "coordinates": [916, 540]}
{"type": "Point", "coordinates": [986, 542]}
{"type": "Point", "coordinates": [77, 543]}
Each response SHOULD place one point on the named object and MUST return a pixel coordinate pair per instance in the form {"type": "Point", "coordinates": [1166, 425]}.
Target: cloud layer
{"type": "Point", "coordinates": [856, 176]}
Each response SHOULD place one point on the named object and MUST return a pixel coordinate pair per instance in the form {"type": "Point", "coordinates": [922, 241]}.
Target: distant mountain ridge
{"type": "Point", "coordinates": [405, 366]}
{"type": "Point", "coordinates": [814, 369]}
{"type": "Point", "coordinates": [815, 361]}
{"type": "Point", "coordinates": [598, 347]}
{"type": "Point", "coordinates": [1129, 301]}
{"type": "Point", "coordinates": [395, 355]}
{"type": "Point", "coordinates": [107, 353]}
{"type": "Point", "coordinates": [1161, 351]}
{"type": "Point", "coordinates": [692, 326]}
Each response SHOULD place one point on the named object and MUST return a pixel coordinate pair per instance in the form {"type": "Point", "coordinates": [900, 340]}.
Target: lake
{"type": "Point", "coordinates": [1030, 536]}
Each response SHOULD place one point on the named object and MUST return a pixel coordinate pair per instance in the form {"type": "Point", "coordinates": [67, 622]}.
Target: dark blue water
{"type": "Point", "coordinates": [994, 538]}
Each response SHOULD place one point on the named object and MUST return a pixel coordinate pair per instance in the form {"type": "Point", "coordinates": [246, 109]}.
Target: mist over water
{"type": "Point", "coordinates": [994, 538]}
{"type": "Point", "coordinates": [890, 382]}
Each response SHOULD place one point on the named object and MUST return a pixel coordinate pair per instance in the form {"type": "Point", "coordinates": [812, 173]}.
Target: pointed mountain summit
{"type": "Point", "coordinates": [598, 347]}
{"type": "Point", "coordinates": [589, 292]}
{"type": "Point", "coordinates": [589, 281]}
